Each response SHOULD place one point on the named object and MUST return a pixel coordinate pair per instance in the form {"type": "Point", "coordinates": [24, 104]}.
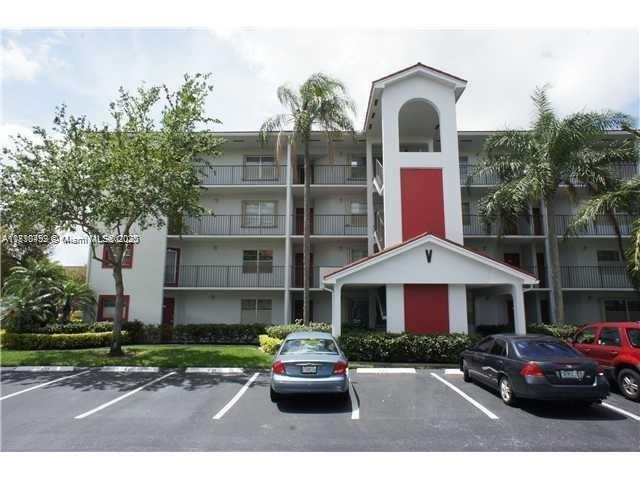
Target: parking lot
{"type": "Point", "coordinates": [389, 410]}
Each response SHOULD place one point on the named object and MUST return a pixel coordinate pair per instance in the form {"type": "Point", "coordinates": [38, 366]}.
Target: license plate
{"type": "Point", "coordinates": [572, 374]}
{"type": "Point", "coordinates": [309, 369]}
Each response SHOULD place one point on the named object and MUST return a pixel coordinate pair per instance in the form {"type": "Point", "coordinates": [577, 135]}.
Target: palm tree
{"type": "Point", "coordinates": [74, 295]}
{"type": "Point", "coordinates": [321, 102]}
{"type": "Point", "coordinates": [533, 164]}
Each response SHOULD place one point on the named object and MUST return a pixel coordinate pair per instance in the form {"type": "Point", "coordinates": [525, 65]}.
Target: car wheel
{"type": "Point", "coordinates": [506, 391]}
{"type": "Point", "coordinates": [275, 396]}
{"type": "Point", "coordinates": [466, 376]}
{"type": "Point", "coordinates": [629, 383]}
{"type": "Point", "coordinates": [344, 396]}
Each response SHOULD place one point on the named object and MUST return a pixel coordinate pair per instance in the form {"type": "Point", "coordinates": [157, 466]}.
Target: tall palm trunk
{"type": "Point", "coordinates": [116, 347]}
{"type": "Point", "coordinates": [616, 227]}
{"type": "Point", "coordinates": [306, 243]}
{"type": "Point", "coordinates": [553, 256]}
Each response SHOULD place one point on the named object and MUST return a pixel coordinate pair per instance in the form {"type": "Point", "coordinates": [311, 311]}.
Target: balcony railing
{"type": "Point", "coordinates": [333, 175]}
{"type": "Point", "coordinates": [262, 225]}
{"type": "Point", "coordinates": [332, 225]}
{"type": "Point", "coordinates": [601, 226]}
{"type": "Point", "coordinates": [242, 174]}
{"type": "Point", "coordinates": [225, 276]}
{"type": "Point", "coordinates": [601, 276]}
{"type": "Point", "coordinates": [297, 276]}
{"type": "Point", "coordinates": [476, 225]}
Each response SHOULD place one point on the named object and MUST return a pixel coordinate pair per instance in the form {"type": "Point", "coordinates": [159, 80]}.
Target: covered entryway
{"type": "Point", "coordinates": [426, 279]}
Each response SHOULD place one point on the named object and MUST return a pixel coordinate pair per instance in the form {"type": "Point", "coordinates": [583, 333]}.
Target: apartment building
{"type": "Point", "coordinates": [397, 242]}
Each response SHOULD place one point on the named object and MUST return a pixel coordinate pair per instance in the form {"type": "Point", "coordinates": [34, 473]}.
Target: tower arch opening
{"type": "Point", "coordinates": [418, 127]}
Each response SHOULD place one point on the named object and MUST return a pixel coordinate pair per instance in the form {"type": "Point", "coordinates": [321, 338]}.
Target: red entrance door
{"type": "Point", "coordinates": [298, 271]}
{"type": "Point", "coordinates": [300, 221]}
{"type": "Point", "coordinates": [168, 309]}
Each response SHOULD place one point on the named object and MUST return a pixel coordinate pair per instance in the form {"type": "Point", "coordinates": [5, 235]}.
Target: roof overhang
{"type": "Point", "coordinates": [460, 265]}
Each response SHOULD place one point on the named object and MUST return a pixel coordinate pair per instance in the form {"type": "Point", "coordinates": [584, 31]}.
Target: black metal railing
{"type": "Point", "coordinates": [600, 276]}
{"type": "Point", "coordinates": [242, 174]}
{"type": "Point", "coordinates": [262, 225]}
{"type": "Point", "coordinates": [333, 175]}
{"type": "Point", "coordinates": [332, 225]}
{"type": "Point", "coordinates": [226, 276]}
{"type": "Point", "coordinates": [602, 225]}
{"type": "Point", "coordinates": [297, 276]}
{"type": "Point", "coordinates": [524, 225]}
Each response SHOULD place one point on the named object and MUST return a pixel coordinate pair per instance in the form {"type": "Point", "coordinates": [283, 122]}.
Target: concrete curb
{"type": "Point", "coordinates": [131, 369]}
{"type": "Point", "coordinates": [386, 370]}
{"type": "Point", "coordinates": [44, 369]}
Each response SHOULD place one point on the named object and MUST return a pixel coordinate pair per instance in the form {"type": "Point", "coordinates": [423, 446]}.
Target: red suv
{"type": "Point", "coordinates": [616, 347]}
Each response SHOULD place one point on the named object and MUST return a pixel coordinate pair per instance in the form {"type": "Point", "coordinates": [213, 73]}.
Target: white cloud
{"type": "Point", "coordinates": [17, 63]}
{"type": "Point", "coordinates": [8, 130]}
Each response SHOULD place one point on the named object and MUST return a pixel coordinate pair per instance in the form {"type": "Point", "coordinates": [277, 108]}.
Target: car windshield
{"type": "Point", "coordinates": [309, 345]}
{"type": "Point", "coordinates": [544, 350]}
{"type": "Point", "coordinates": [634, 336]}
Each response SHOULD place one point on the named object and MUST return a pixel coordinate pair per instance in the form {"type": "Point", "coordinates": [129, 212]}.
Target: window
{"type": "Point", "coordinates": [608, 256]}
{"type": "Point", "coordinates": [609, 337]}
{"type": "Point", "coordinates": [171, 266]}
{"type": "Point", "coordinates": [309, 345]}
{"type": "Point", "coordinates": [358, 170]}
{"type": "Point", "coordinates": [259, 168]}
{"type": "Point", "coordinates": [258, 213]}
{"type": "Point", "coordinates": [257, 261]}
{"type": "Point", "coordinates": [542, 350]}
{"type": "Point", "coordinates": [358, 210]}
{"type": "Point", "coordinates": [357, 254]}
{"type": "Point", "coordinates": [127, 260]}
{"type": "Point", "coordinates": [466, 213]}
{"type": "Point", "coordinates": [107, 308]}
{"type": "Point", "coordinates": [499, 348]}
{"type": "Point", "coordinates": [634, 337]}
{"type": "Point", "coordinates": [621, 310]}
{"type": "Point", "coordinates": [586, 336]}
{"type": "Point", "coordinates": [485, 345]}
{"type": "Point", "coordinates": [255, 310]}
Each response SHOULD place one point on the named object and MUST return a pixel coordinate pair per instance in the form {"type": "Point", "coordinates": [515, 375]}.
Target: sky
{"type": "Point", "coordinates": [40, 69]}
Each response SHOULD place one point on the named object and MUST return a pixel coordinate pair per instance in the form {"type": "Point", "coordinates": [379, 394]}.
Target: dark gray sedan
{"type": "Point", "coordinates": [309, 362]}
{"type": "Point", "coordinates": [534, 367]}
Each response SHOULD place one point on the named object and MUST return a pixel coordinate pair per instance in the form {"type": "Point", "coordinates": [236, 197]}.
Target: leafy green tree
{"type": "Point", "coordinates": [321, 102]}
{"type": "Point", "coordinates": [533, 164]}
{"type": "Point", "coordinates": [125, 176]}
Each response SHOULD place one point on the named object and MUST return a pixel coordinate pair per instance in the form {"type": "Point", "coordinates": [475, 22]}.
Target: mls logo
{"type": "Point", "coordinates": [428, 253]}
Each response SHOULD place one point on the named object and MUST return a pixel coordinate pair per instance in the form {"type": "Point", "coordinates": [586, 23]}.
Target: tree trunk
{"type": "Point", "coordinates": [116, 348]}
{"type": "Point", "coordinates": [553, 260]}
{"type": "Point", "coordinates": [306, 243]}
{"type": "Point", "coordinates": [616, 227]}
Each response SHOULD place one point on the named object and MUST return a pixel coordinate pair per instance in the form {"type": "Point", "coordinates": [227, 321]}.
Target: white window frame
{"type": "Point", "coordinates": [263, 219]}
{"type": "Point", "coordinates": [258, 312]}
{"type": "Point", "coordinates": [262, 170]}
{"type": "Point", "coordinates": [259, 265]}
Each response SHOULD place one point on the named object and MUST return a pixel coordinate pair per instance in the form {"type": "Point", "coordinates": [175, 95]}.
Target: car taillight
{"type": "Point", "coordinates": [278, 367]}
{"type": "Point", "coordinates": [600, 370]}
{"type": "Point", "coordinates": [340, 368]}
{"type": "Point", "coordinates": [531, 370]}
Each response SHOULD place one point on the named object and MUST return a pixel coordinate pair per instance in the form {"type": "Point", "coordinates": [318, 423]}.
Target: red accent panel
{"type": "Point", "coordinates": [422, 202]}
{"type": "Point", "coordinates": [426, 308]}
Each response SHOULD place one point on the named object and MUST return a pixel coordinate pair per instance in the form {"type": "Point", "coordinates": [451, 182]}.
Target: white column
{"type": "Point", "coordinates": [336, 310]}
{"type": "Point", "coordinates": [370, 221]}
{"type": "Point", "coordinates": [395, 308]}
{"type": "Point", "coordinates": [458, 322]}
{"type": "Point", "coordinates": [287, 240]}
{"type": "Point", "coordinates": [518, 309]}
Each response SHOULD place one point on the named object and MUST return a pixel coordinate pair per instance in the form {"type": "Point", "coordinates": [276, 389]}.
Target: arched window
{"type": "Point", "coordinates": [418, 127]}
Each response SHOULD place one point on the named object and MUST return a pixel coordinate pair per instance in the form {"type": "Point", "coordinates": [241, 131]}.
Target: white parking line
{"type": "Point", "coordinates": [42, 385]}
{"type": "Point", "coordinates": [122, 397]}
{"type": "Point", "coordinates": [355, 403]}
{"type": "Point", "coordinates": [237, 396]}
{"type": "Point", "coordinates": [480, 407]}
{"type": "Point", "coordinates": [386, 370]}
{"type": "Point", "coordinates": [214, 370]}
{"type": "Point", "coordinates": [452, 371]}
{"type": "Point", "coordinates": [620, 410]}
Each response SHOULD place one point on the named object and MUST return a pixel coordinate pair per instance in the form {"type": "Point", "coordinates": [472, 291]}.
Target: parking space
{"type": "Point", "coordinates": [174, 410]}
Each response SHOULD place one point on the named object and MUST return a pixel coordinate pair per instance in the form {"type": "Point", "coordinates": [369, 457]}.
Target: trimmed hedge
{"type": "Point", "coordinates": [563, 331]}
{"type": "Point", "coordinates": [55, 341]}
{"type": "Point", "coordinates": [72, 327]}
{"type": "Point", "coordinates": [234, 334]}
{"type": "Point", "coordinates": [281, 331]}
{"type": "Point", "coordinates": [269, 344]}
{"type": "Point", "coordinates": [406, 348]}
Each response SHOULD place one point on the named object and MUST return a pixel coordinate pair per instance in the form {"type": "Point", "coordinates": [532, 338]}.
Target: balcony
{"type": "Point", "coordinates": [249, 225]}
{"type": "Point", "coordinates": [349, 225]}
{"type": "Point", "coordinates": [225, 276]}
{"type": "Point", "coordinates": [315, 276]}
{"type": "Point", "coordinates": [526, 225]}
{"type": "Point", "coordinates": [602, 226]}
{"type": "Point", "coordinates": [333, 175]}
{"type": "Point", "coordinates": [211, 175]}
{"type": "Point", "coordinates": [595, 277]}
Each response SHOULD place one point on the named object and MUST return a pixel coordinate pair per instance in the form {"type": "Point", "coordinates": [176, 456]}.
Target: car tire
{"type": "Point", "coordinates": [506, 391]}
{"type": "Point", "coordinates": [466, 376]}
{"type": "Point", "coordinates": [275, 396]}
{"type": "Point", "coordinates": [344, 396]}
{"type": "Point", "coordinates": [629, 383]}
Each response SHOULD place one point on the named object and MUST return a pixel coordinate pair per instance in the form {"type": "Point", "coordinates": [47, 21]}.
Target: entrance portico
{"type": "Point", "coordinates": [424, 276]}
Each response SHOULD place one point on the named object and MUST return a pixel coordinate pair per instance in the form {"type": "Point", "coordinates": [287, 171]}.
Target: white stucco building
{"type": "Point", "coordinates": [397, 242]}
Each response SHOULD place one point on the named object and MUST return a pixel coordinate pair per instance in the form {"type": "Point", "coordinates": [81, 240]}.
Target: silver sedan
{"type": "Point", "coordinates": [309, 362]}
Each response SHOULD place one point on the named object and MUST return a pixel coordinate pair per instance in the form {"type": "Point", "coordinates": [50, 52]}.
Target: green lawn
{"type": "Point", "coordinates": [167, 356]}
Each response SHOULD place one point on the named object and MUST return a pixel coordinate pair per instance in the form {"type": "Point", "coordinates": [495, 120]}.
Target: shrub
{"type": "Point", "coordinates": [73, 327]}
{"type": "Point", "coordinates": [281, 331]}
{"type": "Point", "coordinates": [135, 329]}
{"type": "Point", "coordinates": [45, 341]}
{"type": "Point", "coordinates": [269, 344]}
{"type": "Point", "coordinates": [218, 333]}
{"type": "Point", "coordinates": [406, 348]}
{"type": "Point", "coordinates": [563, 331]}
